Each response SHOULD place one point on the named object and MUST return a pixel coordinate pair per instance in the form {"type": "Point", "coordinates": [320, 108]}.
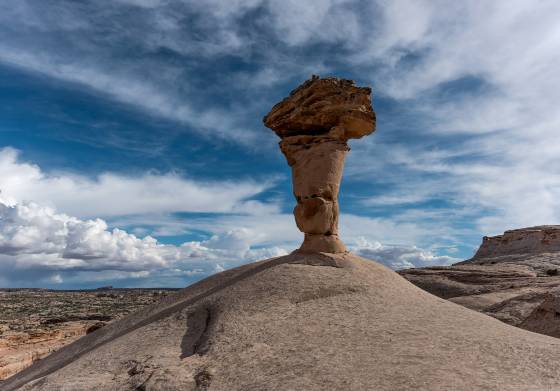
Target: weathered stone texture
{"type": "Point", "coordinates": [315, 122]}
{"type": "Point", "coordinates": [533, 240]}
{"type": "Point", "coordinates": [318, 105]}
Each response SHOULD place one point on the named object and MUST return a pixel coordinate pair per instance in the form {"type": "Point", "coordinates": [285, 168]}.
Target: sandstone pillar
{"type": "Point", "coordinates": [314, 123]}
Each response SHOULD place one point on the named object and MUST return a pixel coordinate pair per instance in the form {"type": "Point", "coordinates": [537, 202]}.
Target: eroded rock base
{"type": "Point", "coordinates": [322, 244]}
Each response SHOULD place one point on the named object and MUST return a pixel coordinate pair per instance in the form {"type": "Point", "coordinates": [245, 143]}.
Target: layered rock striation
{"type": "Point", "coordinates": [533, 240]}
{"type": "Point", "coordinates": [514, 277]}
{"type": "Point", "coordinates": [315, 122]}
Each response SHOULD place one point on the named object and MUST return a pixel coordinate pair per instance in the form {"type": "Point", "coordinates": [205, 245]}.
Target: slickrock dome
{"type": "Point", "coordinates": [302, 322]}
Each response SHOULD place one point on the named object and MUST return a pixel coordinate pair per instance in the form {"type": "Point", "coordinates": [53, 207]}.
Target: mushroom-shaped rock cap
{"type": "Point", "coordinates": [318, 105]}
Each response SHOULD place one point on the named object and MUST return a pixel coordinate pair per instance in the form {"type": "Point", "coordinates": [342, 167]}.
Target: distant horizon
{"type": "Point", "coordinates": [92, 289]}
{"type": "Point", "coordinates": [132, 149]}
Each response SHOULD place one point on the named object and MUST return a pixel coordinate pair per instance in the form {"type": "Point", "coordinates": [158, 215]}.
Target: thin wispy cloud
{"type": "Point", "coordinates": [113, 194]}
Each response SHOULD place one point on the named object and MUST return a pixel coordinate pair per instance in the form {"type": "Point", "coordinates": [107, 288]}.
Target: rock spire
{"type": "Point", "coordinates": [315, 122]}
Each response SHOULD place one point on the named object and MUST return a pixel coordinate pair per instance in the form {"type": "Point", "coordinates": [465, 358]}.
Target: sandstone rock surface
{"type": "Point", "coordinates": [319, 105]}
{"type": "Point", "coordinates": [513, 277]}
{"type": "Point", "coordinates": [315, 122]}
{"type": "Point", "coordinates": [302, 322]}
{"type": "Point", "coordinates": [533, 240]}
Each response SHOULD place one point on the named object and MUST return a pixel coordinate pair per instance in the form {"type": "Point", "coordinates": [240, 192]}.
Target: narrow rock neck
{"type": "Point", "coordinates": [317, 164]}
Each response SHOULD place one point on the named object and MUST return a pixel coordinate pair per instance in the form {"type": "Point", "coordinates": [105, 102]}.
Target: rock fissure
{"type": "Point", "coordinates": [201, 345]}
{"type": "Point", "coordinates": [195, 340]}
{"type": "Point", "coordinates": [142, 386]}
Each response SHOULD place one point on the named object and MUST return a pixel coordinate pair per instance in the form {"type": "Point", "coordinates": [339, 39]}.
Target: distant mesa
{"type": "Point", "coordinates": [532, 240]}
{"type": "Point", "coordinates": [104, 288]}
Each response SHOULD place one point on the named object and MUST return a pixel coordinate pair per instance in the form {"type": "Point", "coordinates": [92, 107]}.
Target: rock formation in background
{"type": "Point", "coordinates": [315, 122]}
{"type": "Point", "coordinates": [514, 277]}
{"type": "Point", "coordinates": [533, 240]}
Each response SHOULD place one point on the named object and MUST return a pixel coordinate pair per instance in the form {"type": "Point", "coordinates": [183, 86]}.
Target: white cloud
{"type": "Point", "coordinates": [301, 22]}
{"type": "Point", "coordinates": [400, 257]}
{"type": "Point", "coordinates": [488, 148]}
{"type": "Point", "coordinates": [137, 91]}
{"type": "Point", "coordinates": [56, 279]}
{"type": "Point", "coordinates": [37, 241]}
{"type": "Point", "coordinates": [37, 236]}
{"type": "Point", "coordinates": [489, 144]}
{"type": "Point", "coordinates": [268, 231]}
{"type": "Point", "coordinates": [112, 194]}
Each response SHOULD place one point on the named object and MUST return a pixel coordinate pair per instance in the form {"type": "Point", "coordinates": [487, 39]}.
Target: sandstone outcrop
{"type": "Point", "coordinates": [19, 350]}
{"type": "Point", "coordinates": [315, 122]}
{"type": "Point", "coordinates": [302, 322]}
{"type": "Point", "coordinates": [513, 277]}
{"type": "Point", "coordinates": [533, 240]}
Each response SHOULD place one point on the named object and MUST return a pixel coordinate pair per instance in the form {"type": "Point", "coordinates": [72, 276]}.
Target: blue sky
{"type": "Point", "coordinates": [132, 151]}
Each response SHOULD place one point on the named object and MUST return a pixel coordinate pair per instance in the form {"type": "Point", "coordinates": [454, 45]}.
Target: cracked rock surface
{"type": "Point", "coordinates": [301, 322]}
{"type": "Point", "coordinates": [315, 122]}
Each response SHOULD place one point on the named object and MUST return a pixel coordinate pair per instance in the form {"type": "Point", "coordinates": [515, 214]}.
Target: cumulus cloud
{"type": "Point", "coordinates": [400, 257]}
{"type": "Point", "coordinates": [40, 245]}
{"type": "Point", "coordinates": [42, 242]}
{"type": "Point", "coordinates": [36, 242]}
{"type": "Point", "coordinates": [38, 236]}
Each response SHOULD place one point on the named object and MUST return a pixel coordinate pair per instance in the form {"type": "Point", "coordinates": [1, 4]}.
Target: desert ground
{"type": "Point", "coordinates": [36, 322]}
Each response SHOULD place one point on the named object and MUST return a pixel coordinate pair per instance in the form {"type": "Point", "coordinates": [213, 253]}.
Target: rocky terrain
{"type": "Point", "coordinates": [317, 319]}
{"type": "Point", "coordinates": [36, 322]}
{"type": "Point", "coordinates": [514, 277]}
{"type": "Point", "coordinates": [301, 322]}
